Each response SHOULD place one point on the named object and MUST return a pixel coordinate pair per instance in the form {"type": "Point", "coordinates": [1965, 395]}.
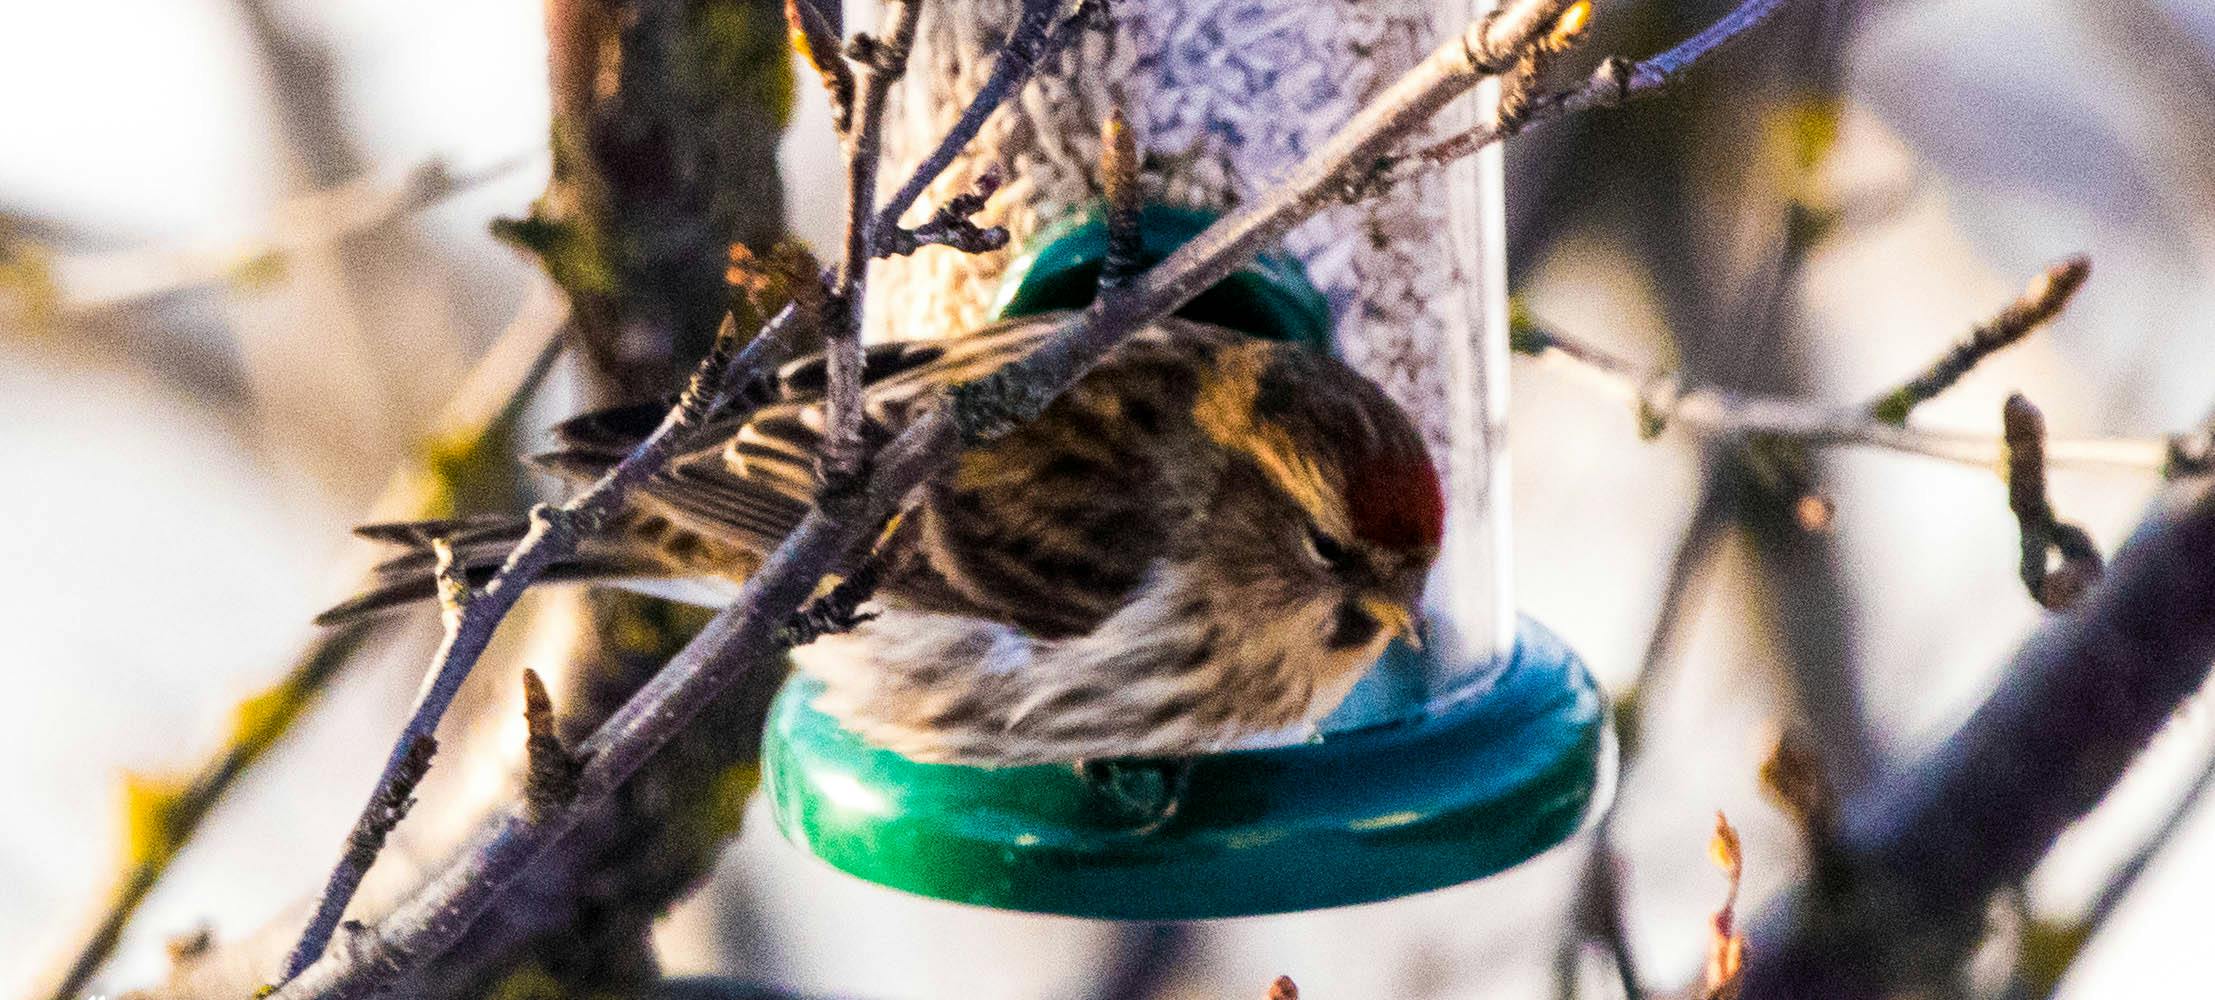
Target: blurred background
{"type": "Point", "coordinates": [246, 259]}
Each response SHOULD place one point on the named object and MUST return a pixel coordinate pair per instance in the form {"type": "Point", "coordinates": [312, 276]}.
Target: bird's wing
{"type": "Point", "coordinates": [753, 477]}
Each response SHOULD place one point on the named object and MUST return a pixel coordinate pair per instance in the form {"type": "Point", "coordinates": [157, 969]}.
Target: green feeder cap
{"type": "Point", "coordinates": [1271, 297]}
{"type": "Point", "coordinates": [1453, 792]}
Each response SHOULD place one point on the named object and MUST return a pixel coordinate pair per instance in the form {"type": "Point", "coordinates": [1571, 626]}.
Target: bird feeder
{"type": "Point", "coordinates": [1445, 765]}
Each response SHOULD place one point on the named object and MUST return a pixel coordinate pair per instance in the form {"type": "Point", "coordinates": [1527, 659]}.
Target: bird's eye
{"type": "Point", "coordinates": [1324, 549]}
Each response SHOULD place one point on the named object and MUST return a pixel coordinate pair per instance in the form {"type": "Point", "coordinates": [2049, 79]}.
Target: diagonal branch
{"type": "Point", "coordinates": [1929, 846]}
{"type": "Point", "coordinates": [1042, 28]}
{"type": "Point", "coordinates": [745, 635]}
{"type": "Point", "coordinates": [1616, 82]}
{"type": "Point", "coordinates": [554, 534]}
{"type": "Point", "coordinates": [470, 425]}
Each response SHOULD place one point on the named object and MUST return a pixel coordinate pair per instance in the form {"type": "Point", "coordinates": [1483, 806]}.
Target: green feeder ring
{"type": "Point", "coordinates": [1271, 297]}
{"type": "Point", "coordinates": [1450, 792]}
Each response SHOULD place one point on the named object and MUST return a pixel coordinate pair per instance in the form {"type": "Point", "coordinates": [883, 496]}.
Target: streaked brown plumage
{"type": "Point", "coordinates": [1207, 539]}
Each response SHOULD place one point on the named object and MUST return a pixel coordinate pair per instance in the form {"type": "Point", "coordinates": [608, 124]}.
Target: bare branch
{"type": "Point", "coordinates": [2043, 534]}
{"type": "Point", "coordinates": [1040, 30]}
{"type": "Point", "coordinates": [553, 536]}
{"type": "Point", "coordinates": [489, 397]}
{"type": "Point", "coordinates": [1119, 179]}
{"type": "Point", "coordinates": [952, 225]}
{"type": "Point", "coordinates": [2119, 885]}
{"type": "Point", "coordinates": [388, 805]}
{"type": "Point", "coordinates": [2047, 295]}
{"type": "Point", "coordinates": [1661, 401]}
{"type": "Point", "coordinates": [1616, 82]}
{"type": "Point", "coordinates": [314, 220]}
{"type": "Point", "coordinates": [262, 720]}
{"type": "Point", "coordinates": [883, 61]}
{"type": "Point", "coordinates": [1932, 843]}
{"type": "Point", "coordinates": [745, 635]}
{"type": "Point", "coordinates": [817, 38]}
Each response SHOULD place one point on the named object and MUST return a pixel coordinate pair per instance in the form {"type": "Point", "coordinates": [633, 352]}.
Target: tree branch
{"type": "Point", "coordinates": [1617, 81]}
{"type": "Point", "coordinates": [745, 635]}
{"type": "Point", "coordinates": [883, 61]}
{"type": "Point", "coordinates": [1928, 848]}
{"type": "Point", "coordinates": [1037, 35]}
{"type": "Point", "coordinates": [1662, 400]}
{"type": "Point", "coordinates": [2044, 299]}
{"type": "Point", "coordinates": [2126, 876]}
{"type": "Point", "coordinates": [554, 534]}
{"type": "Point", "coordinates": [470, 424]}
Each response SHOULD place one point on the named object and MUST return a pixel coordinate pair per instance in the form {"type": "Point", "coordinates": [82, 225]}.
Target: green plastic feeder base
{"type": "Point", "coordinates": [1448, 795]}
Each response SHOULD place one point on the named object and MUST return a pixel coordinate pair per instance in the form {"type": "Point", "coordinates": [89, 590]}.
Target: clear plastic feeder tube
{"type": "Point", "coordinates": [1455, 326]}
{"type": "Point", "coordinates": [1413, 279]}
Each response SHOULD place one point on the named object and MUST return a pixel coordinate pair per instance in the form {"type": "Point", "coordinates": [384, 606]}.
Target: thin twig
{"type": "Point", "coordinates": [2123, 880]}
{"type": "Point", "coordinates": [391, 803]}
{"type": "Point", "coordinates": [816, 36]}
{"type": "Point", "coordinates": [554, 534]}
{"type": "Point", "coordinates": [1616, 82]}
{"type": "Point", "coordinates": [1662, 401]}
{"type": "Point", "coordinates": [1119, 180]}
{"type": "Point", "coordinates": [2044, 299]}
{"type": "Point", "coordinates": [489, 398]}
{"type": "Point", "coordinates": [2043, 534]}
{"type": "Point", "coordinates": [1041, 29]}
{"type": "Point", "coordinates": [1933, 842]}
{"type": "Point", "coordinates": [745, 635]}
{"type": "Point", "coordinates": [883, 61]}
{"type": "Point", "coordinates": [271, 716]}
{"type": "Point", "coordinates": [1599, 895]}
{"type": "Point", "coordinates": [952, 225]}
{"type": "Point", "coordinates": [119, 278]}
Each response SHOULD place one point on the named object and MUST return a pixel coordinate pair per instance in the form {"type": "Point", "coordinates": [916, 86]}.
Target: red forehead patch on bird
{"type": "Point", "coordinates": [1395, 502]}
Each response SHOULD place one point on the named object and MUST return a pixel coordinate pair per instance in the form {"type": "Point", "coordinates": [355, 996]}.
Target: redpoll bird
{"type": "Point", "coordinates": [1207, 539]}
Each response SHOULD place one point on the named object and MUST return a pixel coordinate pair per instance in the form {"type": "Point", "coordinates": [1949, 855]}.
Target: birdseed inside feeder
{"type": "Point", "coordinates": [1444, 765]}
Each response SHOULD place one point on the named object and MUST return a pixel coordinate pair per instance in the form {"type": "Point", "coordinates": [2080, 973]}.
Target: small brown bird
{"type": "Point", "coordinates": [1207, 539]}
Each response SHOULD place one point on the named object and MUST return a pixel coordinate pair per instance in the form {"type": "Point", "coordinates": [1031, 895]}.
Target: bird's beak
{"type": "Point", "coordinates": [1401, 620]}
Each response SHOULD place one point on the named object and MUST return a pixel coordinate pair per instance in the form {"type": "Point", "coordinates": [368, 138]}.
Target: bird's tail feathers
{"type": "Point", "coordinates": [481, 544]}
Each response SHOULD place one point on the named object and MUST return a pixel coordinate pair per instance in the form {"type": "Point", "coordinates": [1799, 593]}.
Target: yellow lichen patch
{"type": "Point", "coordinates": [150, 828]}
{"type": "Point", "coordinates": [257, 272]}
{"type": "Point", "coordinates": [528, 981]}
{"type": "Point", "coordinates": [261, 720]}
{"type": "Point", "coordinates": [727, 797]}
{"type": "Point", "coordinates": [29, 293]}
{"type": "Point", "coordinates": [2048, 949]}
{"type": "Point", "coordinates": [1803, 131]}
